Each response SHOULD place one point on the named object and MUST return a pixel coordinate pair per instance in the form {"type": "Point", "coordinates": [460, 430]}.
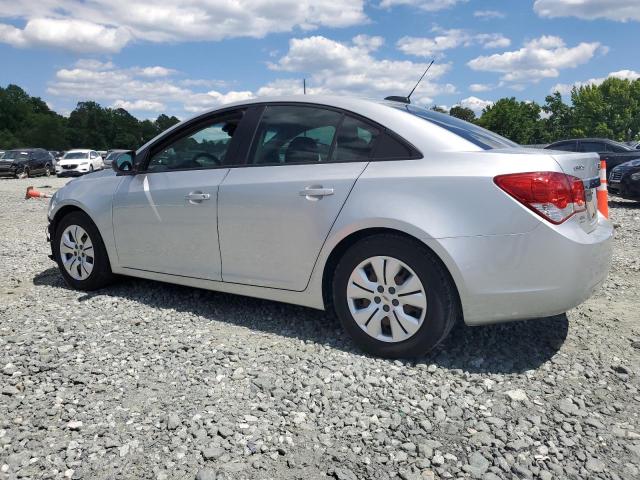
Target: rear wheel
{"type": "Point", "coordinates": [394, 297]}
{"type": "Point", "coordinates": [80, 253]}
{"type": "Point", "coordinates": [47, 170]}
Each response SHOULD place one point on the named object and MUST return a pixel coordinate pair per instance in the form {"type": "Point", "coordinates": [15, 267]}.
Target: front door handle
{"type": "Point", "coordinates": [316, 191]}
{"type": "Point", "coordinates": [197, 197]}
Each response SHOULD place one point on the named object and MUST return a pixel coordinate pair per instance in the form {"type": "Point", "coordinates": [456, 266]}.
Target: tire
{"type": "Point", "coordinates": [85, 276]}
{"type": "Point", "coordinates": [418, 329]}
{"type": "Point", "coordinates": [47, 170]}
{"type": "Point", "coordinates": [24, 174]}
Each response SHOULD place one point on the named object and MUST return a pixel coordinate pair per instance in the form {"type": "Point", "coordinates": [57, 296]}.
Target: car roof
{"type": "Point", "coordinates": [80, 150]}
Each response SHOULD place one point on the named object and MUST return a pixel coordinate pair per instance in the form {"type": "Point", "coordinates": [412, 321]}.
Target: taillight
{"type": "Point", "coordinates": [552, 195]}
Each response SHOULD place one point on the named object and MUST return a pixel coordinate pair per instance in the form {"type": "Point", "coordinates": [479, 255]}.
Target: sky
{"type": "Point", "coordinates": [181, 57]}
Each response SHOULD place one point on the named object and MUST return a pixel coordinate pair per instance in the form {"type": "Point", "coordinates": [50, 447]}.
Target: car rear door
{"type": "Point", "coordinates": [276, 210]}
{"type": "Point", "coordinates": [165, 217]}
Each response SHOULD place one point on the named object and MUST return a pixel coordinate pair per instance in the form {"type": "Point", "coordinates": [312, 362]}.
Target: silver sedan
{"type": "Point", "coordinates": [399, 219]}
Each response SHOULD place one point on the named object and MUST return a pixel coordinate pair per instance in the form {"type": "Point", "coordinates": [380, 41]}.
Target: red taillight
{"type": "Point", "coordinates": [552, 195]}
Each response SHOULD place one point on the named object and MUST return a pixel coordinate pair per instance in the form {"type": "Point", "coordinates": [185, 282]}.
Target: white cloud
{"type": "Point", "coordinates": [68, 34]}
{"type": "Point", "coordinates": [449, 39]}
{"type": "Point", "coordinates": [140, 105]}
{"type": "Point", "coordinates": [427, 5]}
{"type": "Point", "coordinates": [617, 10]}
{"type": "Point", "coordinates": [480, 87]}
{"type": "Point", "coordinates": [108, 25]}
{"type": "Point", "coordinates": [488, 14]}
{"type": "Point", "coordinates": [542, 57]}
{"type": "Point", "coordinates": [565, 88]}
{"type": "Point", "coordinates": [476, 104]}
{"type": "Point", "coordinates": [352, 69]}
{"type": "Point", "coordinates": [135, 89]}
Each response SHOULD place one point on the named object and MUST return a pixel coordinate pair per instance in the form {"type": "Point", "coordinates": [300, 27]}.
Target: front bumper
{"type": "Point", "coordinates": [537, 274]}
{"type": "Point", "coordinates": [72, 172]}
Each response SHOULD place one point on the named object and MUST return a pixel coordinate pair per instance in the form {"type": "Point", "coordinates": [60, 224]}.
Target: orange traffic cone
{"type": "Point", "coordinates": [33, 193]}
{"type": "Point", "coordinates": [602, 192]}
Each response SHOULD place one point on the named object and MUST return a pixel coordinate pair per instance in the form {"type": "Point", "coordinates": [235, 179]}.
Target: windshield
{"type": "Point", "coordinates": [477, 135]}
{"type": "Point", "coordinates": [14, 155]}
{"type": "Point", "coordinates": [75, 155]}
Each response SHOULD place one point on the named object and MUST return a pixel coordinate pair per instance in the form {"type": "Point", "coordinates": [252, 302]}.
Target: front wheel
{"type": "Point", "coordinates": [80, 253]}
{"type": "Point", "coordinates": [47, 170]}
{"type": "Point", "coordinates": [24, 174]}
{"type": "Point", "coordinates": [394, 297]}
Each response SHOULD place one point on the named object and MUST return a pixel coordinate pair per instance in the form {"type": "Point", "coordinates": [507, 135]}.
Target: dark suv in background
{"type": "Point", "coordinates": [612, 152]}
{"type": "Point", "coordinates": [26, 162]}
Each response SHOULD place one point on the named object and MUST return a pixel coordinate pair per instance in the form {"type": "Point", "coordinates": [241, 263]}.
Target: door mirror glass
{"type": "Point", "coordinates": [124, 162]}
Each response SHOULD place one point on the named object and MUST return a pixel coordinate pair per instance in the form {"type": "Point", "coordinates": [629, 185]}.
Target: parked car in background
{"type": "Point", "coordinates": [400, 219]}
{"type": "Point", "coordinates": [111, 156]}
{"type": "Point", "coordinates": [625, 180]}
{"type": "Point", "coordinates": [78, 162]}
{"type": "Point", "coordinates": [26, 162]}
{"type": "Point", "coordinates": [614, 153]}
{"type": "Point", "coordinates": [102, 153]}
{"type": "Point", "coordinates": [1, 153]}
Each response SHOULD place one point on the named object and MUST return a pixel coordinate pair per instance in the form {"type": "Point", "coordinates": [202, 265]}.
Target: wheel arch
{"type": "Point", "coordinates": [345, 243]}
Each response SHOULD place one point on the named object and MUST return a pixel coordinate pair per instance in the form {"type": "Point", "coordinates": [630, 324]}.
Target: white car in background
{"type": "Point", "coordinates": [79, 162]}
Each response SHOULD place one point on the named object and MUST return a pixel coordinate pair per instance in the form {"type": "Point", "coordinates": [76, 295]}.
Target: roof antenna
{"type": "Point", "coordinates": [304, 86]}
{"type": "Point", "coordinates": [407, 99]}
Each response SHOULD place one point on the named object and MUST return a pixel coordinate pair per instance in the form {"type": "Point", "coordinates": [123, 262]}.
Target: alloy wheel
{"type": "Point", "coordinates": [386, 299]}
{"type": "Point", "coordinates": [76, 252]}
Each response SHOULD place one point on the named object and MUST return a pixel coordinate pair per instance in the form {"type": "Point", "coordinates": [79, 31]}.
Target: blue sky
{"type": "Point", "coordinates": [183, 56]}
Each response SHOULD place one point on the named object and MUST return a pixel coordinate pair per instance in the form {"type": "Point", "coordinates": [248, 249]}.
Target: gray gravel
{"type": "Point", "coordinates": [147, 380]}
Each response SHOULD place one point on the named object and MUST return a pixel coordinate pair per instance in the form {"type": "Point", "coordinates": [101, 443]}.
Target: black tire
{"type": "Point", "coordinates": [91, 168]}
{"type": "Point", "coordinates": [442, 300]}
{"type": "Point", "coordinates": [47, 170]}
{"type": "Point", "coordinates": [101, 274]}
{"type": "Point", "coordinates": [24, 174]}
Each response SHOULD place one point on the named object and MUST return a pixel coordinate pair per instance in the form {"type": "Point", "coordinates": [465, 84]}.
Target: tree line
{"type": "Point", "coordinates": [610, 110]}
{"type": "Point", "coordinates": [27, 121]}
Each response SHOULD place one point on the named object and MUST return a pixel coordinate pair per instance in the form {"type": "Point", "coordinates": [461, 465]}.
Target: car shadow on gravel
{"type": "Point", "coordinates": [625, 204]}
{"type": "Point", "coordinates": [504, 348]}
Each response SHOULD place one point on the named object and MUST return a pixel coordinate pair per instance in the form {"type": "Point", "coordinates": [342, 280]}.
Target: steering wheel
{"type": "Point", "coordinates": [208, 156]}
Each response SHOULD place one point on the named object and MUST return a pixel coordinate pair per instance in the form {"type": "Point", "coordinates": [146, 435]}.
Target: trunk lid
{"type": "Point", "coordinates": [586, 167]}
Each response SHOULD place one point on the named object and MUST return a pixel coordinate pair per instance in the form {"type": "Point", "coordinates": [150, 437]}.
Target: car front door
{"type": "Point", "coordinates": [276, 211]}
{"type": "Point", "coordinates": [165, 216]}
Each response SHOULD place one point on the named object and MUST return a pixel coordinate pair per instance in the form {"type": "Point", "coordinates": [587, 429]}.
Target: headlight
{"type": "Point", "coordinates": [635, 176]}
{"type": "Point", "coordinates": [52, 204]}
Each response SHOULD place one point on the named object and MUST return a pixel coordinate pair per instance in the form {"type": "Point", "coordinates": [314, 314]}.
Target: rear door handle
{"type": "Point", "coordinates": [197, 197]}
{"type": "Point", "coordinates": [316, 191]}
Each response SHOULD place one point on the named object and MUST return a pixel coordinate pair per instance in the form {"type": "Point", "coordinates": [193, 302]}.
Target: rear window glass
{"type": "Point", "coordinates": [477, 135]}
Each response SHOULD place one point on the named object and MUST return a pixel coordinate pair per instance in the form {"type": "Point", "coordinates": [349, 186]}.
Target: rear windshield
{"type": "Point", "coordinates": [74, 155]}
{"type": "Point", "coordinates": [479, 136]}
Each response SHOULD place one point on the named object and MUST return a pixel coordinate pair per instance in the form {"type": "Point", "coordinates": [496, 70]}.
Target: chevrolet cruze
{"type": "Point", "coordinates": [399, 219]}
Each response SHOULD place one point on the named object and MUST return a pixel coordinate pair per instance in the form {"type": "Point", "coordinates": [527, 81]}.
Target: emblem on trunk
{"type": "Point", "coordinates": [579, 167]}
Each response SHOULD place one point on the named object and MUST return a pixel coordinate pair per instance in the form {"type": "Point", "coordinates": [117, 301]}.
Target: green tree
{"type": "Point", "coordinates": [463, 113]}
{"type": "Point", "coordinates": [518, 121]}
{"type": "Point", "coordinates": [559, 119]}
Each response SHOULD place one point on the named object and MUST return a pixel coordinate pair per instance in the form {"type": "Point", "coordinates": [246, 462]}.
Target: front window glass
{"type": "Point", "coordinates": [205, 148]}
{"type": "Point", "coordinates": [294, 134]}
{"type": "Point", "coordinates": [15, 155]}
{"type": "Point", "coordinates": [477, 135]}
{"type": "Point", "coordinates": [76, 155]}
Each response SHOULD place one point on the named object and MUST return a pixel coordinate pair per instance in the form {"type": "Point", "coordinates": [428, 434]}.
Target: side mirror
{"type": "Point", "coordinates": [124, 162]}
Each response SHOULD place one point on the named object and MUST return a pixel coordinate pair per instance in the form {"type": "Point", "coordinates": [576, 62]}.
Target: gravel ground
{"type": "Point", "coordinates": [147, 380]}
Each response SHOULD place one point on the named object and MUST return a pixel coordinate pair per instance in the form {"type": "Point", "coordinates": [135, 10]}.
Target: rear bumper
{"type": "Point", "coordinates": [537, 274]}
